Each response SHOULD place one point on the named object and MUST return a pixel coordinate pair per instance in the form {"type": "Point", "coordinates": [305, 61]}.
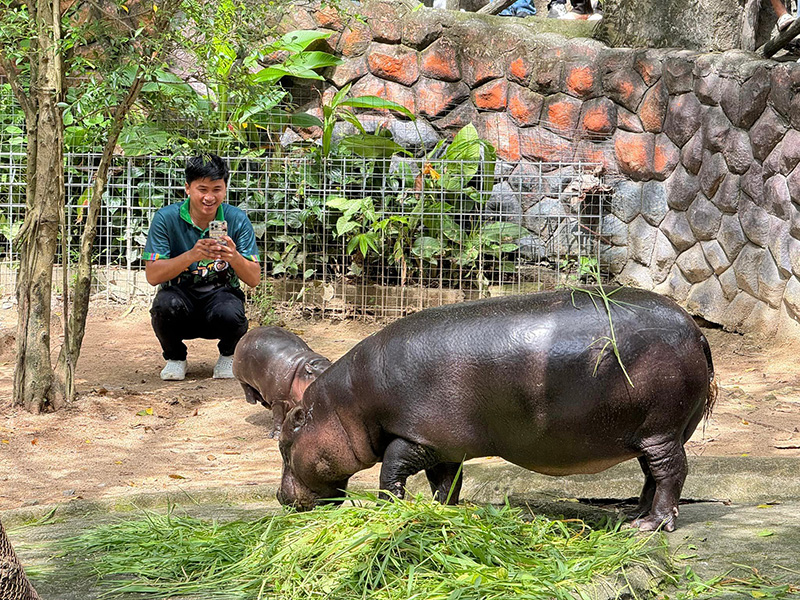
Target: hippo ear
{"type": "Point", "coordinates": [296, 418]}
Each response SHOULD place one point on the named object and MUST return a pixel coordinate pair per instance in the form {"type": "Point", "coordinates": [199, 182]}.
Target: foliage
{"type": "Point", "coordinates": [262, 303]}
{"type": "Point", "coordinates": [371, 549]}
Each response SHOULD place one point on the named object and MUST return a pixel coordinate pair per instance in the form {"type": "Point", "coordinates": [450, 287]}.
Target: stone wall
{"type": "Point", "coordinates": [703, 148]}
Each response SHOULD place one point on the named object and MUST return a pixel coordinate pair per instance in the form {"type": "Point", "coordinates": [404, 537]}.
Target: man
{"type": "Point", "coordinates": [199, 276]}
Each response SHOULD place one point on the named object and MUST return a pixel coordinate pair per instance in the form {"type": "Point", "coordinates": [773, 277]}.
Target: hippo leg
{"type": "Point", "coordinates": [401, 460]}
{"type": "Point", "coordinates": [445, 479]}
{"type": "Point", "coordinates": [648, 491]}
{"type": "Point", "coordinates": [668, 468]}
{"type": "Point", "coordinates": [252, 395]}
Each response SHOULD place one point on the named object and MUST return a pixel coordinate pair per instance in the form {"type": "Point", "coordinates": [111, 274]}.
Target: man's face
{"type": "Point", "coordinates": [205, 196]}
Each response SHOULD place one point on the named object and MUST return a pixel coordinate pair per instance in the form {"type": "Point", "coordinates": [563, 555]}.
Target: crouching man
{"type": "Point", "coordinates": [199, 295]}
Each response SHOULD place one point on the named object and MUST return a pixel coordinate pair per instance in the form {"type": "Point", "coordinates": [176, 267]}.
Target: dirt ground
{"type": "Point", "coordinates": [129, 432]}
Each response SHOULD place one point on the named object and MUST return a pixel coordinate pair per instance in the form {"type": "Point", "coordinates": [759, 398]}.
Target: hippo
{"type": "Point", "coordinates": [529, 378]}
{"type": "Point", "coordinates": [274, 367]}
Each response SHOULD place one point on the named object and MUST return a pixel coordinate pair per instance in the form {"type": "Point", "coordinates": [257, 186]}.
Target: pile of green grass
{"type": "Point", "coordinates": [371, 549]}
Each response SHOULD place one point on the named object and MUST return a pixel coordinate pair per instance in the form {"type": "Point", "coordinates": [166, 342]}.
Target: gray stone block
{"type": "Point", "coordinates": [753, 97]}
{"type": "Point", "coordinates": [693, 265]}
{"type": "Point", "coordinates": [532, 247]}
{"type": "Point", "coordinates": [763, 320]}
{"type": "Point", "coordinates": [778, 245]}
{"type": "Point", "coordinates": [777, 200]}
{"type": "Point", "coordinates": [729, 98]}
{"type": "Point", "coordinates": [715, 256]}
{"type": "Point", "coordinates": [664, 255]}
{"type": "Point", "coordinates": [791, 298]}
{"type": "Point", "coordinates": [793, 181]}
{"type": "Point", "coordinates": [708, 88]}
{"type": "Point", "coordinates": [683, 118]}
{"type": "Point", "coordinates": [716, 127]}
{"type": "Point", "coordinates": [626, 200]}
{"type": "Point", "coordinates": [704, 218]}
{"type": "Point", "coordinates": [794, 222]}
{"type": "Point", "coordinates": [555, 182]}
{"type": "Point", "coordinates": [707, 300]}
{"type": "Point", "coordinates": [737, 151]}
{"type": "Point", "coordinates": [728, 193]}
{"type": "Point", "coordinates": [675, 285]}
{"type": "Point", "coordinates": [730, 236]}
{"type": "Point", "coordinates": [505, 204]}
{"type": "Point", "coordinates": [676, 227]}
{"type": "Point", "coordinates": [636, 275]}
{"type": "Point", "coordinates": [678, 75]}
{"type": "Point", "coordinates": [738, 311]}
{"type": "Point", "coordinates": [544, 216]}
{"type": "Point", "coordinates": [712, 172]}
{"type": "Point", "coordinates": [727, 281]}
{"type": "Point", "coordinates": [526, 177]}
{"type": "Point", "coordinates": [770, 283]}
{"type": "Point", "coordinates": [681, 188]}
{"type": "Point", "coordinates": [503, 169]}
{"type": "Point", "coordinates": [755, 222]}
{"type": "Point", "coordinates": [752, 183]}
{"type": "Point", "coordinates": [766, 133]}
{"type": "Point", "coordinates": [790, 156]}
{"type": "Point", "coordinates": [746, 267]}
{"type": "Point", "coordinates": [641, 240]}
{"type": "Point", "coordinates": [692, 154]}
{"type": "Point", "coordinates": [654, 202]}
{"type": "Point", "coordinates": [613, 230]}
{"type": "Point", "coordinates": [794, 256]}
{"type": "Point", "coordinates": [772, 164]}
{"type": "Point", "coordinates": [413, 135]}
{"type": "Point", "coordinates": [614, 258]}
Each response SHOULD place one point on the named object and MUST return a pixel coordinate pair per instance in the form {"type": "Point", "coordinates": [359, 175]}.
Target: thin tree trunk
{"type": "Point", "coordinates": [14, 584]}
{"type": "Point", "coordinates": [75, 325]}
{"type": "Point", "coordinates": [34, 377]}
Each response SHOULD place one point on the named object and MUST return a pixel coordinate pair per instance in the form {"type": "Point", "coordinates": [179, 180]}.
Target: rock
{"type": "Point", "coordinates": [715, 256]}
{"type": "Point", "coordinates": [738, 311]}
{"type": "Point", "coordinates": [746, 267]}
{"type": "Point", "coordinates": [755, 222]}
{"type": "Point", "coordinates": [693, 265]}
{"type": "Point", "coordinates": [716, 128]}
{"type": "Point", "coordinates": [692, 154]}
{"type": "Point", "coordinates": [626, 200]}
{"type": "Point", "coordinates": [544, 215]}
{"type": "Point", "coordinates": [676, 227]}
{"type": "Point", "coordinates": [712, 172]}
{"type": "Point", "coordinates": [727, 281]}
{"type": "Point", "coordinates": [641, 240]}
{"type": "Point", "coordinates": [681, 188]}
{"type": "Point", "coordinates": [613, 258]}
{"type": "Point", "coordinates": [704, 218]}
{"type": "Point", "coordinates": [654, 202]}
{"type": "Point", "coordinates": [707, 300]}
{"type": "Point", "coordinates": [526, 177]}
{"type": "Point", "coordinates": [770, 283]}
{"type": "Point", "coordinates": [791, 298]}
{"type": "Point", "coordinates": [675, 285]}
{"type": "Point", "coordinates": [737, 151]}
{"type": "Point", "coordinates": [683, 118]}
{"type": "Point", "coordinates": [504, 204]}
{"type": "Point", "coordinates": [766, 133]}
{"type": "Point", "coordinates": [532, 248]}
{"type": "Point", "coordinates": [730, 236]}
{"type": "Point", "coordinates": [728, 193]}
{"type": "Point", "coordinates": [636, 275]}
{"type": "Point", "coordinates": [664, 255]}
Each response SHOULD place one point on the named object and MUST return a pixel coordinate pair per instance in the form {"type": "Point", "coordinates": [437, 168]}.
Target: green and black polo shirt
{"type": "Point", "coordinates": [172, 233]}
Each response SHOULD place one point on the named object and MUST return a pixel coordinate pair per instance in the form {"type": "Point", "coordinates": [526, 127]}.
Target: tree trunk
{"type": "Point", "coordinates": [14, 585]}
{"type": "Point", "coordinates": [34, 379]}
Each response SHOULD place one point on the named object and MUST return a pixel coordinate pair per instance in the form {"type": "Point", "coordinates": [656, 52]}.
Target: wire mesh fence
{"type": "Point", "coordinates": [353, 236]}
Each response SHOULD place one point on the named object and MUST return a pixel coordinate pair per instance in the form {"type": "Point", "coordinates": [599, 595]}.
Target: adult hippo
{"type": "Point", "coordinates": [528, 378]}
{"type": "Point", "coordinates": [274, 367]}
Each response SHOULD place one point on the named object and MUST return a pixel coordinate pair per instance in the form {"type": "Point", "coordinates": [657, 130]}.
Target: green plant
{"type": "Point", "coordinates": [262, 301]}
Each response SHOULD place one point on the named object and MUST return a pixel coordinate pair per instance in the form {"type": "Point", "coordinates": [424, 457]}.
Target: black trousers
{"type": "Point", "coordinates": [187, 313]}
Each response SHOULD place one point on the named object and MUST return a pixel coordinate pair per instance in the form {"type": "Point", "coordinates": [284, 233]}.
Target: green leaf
{"type": "Point", "coordinates": [305, 120]}
{"type": "Point", "coordinates": [344, 226]}
{"type": "Point", "coordinates": [766, 533]}
{"type": "Point", "coordinates": [376, 103]}
{"type": "Point", "coordinates": [371, 146]}
{"type": "Point", "coordinates": [298, 41]}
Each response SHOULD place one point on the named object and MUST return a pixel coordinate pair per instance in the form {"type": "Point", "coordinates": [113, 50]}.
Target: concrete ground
{"type": "Point", "coordinates": [739, 517]}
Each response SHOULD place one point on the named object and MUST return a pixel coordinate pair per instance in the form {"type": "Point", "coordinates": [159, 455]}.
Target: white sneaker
{"type": "Point", "coordinates": [175, 370]}
{"type": "Point", "coordinates": [224, 367]}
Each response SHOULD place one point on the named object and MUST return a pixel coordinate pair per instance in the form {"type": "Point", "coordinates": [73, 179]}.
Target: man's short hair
{"type": "Point", "coordinates": [206, 166]}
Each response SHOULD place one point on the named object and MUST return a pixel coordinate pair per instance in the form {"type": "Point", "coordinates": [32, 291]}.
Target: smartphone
{"type": "Point", "coordinates": [216, 229]}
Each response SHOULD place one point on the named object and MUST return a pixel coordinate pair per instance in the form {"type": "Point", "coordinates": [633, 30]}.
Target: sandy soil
{"type": "Point", "coordinates": [129, 432]}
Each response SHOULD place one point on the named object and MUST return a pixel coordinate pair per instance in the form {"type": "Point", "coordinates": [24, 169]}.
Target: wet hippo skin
{"type": "Point", "coordinates": [527, 378]}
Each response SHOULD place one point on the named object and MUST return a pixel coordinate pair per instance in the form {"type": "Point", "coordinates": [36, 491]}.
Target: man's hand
{"type": "Point", "coordinates": [247, 270]}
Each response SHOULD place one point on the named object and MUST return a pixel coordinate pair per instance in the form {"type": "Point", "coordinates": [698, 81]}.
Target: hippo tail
{"type": "Point", "coordinates": [713, 387]}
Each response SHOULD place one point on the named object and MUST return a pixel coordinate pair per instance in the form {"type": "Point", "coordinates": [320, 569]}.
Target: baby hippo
{"type": "Point", "coordinates": [274, 367]}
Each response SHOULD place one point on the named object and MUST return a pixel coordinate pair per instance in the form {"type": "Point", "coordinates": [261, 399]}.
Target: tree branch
{"type": "Point", "coordinates": [19, 93]}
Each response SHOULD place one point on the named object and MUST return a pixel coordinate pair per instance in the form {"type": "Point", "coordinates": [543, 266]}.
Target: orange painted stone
{"type": "Point", "coordinates": [579, 80]}
{"type": "Point", "coordinates": [519, 71]}
{"type": "Point", "coordinates": [635, 154]}
{"type": "Point", "coordinates": [354, 41]}
{"type": "Point", "coordinates": [477, 70]}
{"type": "Point", "coordinates": [327, 17]}
{"type": "Point", "coordinates": [524, 106]}
{"type": "Point", "coordinates": [399, 93]}
{"type": "Point", "coordinates": [562, 112]}
{"type": "Point", "coordinates": [492, 95]}
{"type": "Point", "coordinates": [393, 63]}
{"type": "Point", "coordinates": [439, 61]}
{"type": "Point", "coordinates": [625, 87]}
{"type": "Point", "coordinates": [665, 157]}
{"type": "Point", "coordinates": [350, 70]}
{"type": "Point", "coordinates": [538, 143]}
{"type": "Point", "coordinates": [434, 98]}
{"type": "Point", "coordinates": [654, 108]}
{"type": "Point", "coordinates": [498, 130]}
{"type": "Point", "coordinates": [595, 153]}
{"type": "Point", "coordinates": [598, 117]}
{"type": "Point", "coordinates": [369, 85]}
